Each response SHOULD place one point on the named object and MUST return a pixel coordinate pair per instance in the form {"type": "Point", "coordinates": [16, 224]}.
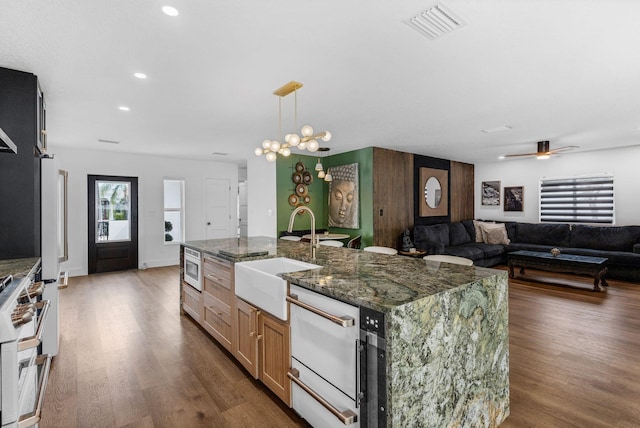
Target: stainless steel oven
{"type": "Point", "coordinates": [193, 268]}
{"type": "Point", "coordinates": [23, 372]}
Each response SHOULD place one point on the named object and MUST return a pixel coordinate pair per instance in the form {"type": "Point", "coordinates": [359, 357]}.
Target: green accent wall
{"type": "Point", "coordinates": [319, 191]}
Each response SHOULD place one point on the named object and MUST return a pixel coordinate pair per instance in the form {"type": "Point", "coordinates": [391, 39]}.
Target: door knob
{"type": "Point", "coordinates": [208, 223]}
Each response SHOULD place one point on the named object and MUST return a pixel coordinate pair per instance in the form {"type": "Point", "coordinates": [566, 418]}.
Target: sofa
{"type": "Point", "coordinates": [620, 244]}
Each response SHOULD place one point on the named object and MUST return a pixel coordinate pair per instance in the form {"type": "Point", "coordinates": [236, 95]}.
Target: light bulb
{"type": "Point", "coordinates": [286, 151]}
{"type": "Point", "coordinates": [266, 144]}
{"type": "Point", "coordinates": [271, 157]}
{"type": "Point", "coordinates": [275, 146]}
{"type": "Point", "coordinates": [313, 146]}
{"type": "Point", "coordinates": [326, 177]}
{"type": "Point", "coordinates": [327, 136]}
{"type": "Point", "coordinates": [302, 145]}
{"type": "Point", "coordinates": [294, 139]}
{"type": "Point", "coordinates": [320, 174]}
{"type": "Point", "coordinates": [286, 138]}
{"type": "Point", "coordinates": [307, 131]}
{"type": "Point", "coordinates": [258, 151]}
{"type": "Point", "coordinates": [319, 166]}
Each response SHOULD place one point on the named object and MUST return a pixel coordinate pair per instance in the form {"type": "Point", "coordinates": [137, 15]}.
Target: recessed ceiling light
{"type": "Point", "coordinates": [140, 75]}
{"type": "Point", "coordinates": [171, 11]}
{"type": "Point", "coordinates": [124, 108]}
{"type": "Point", "coordinates": [496, 129]}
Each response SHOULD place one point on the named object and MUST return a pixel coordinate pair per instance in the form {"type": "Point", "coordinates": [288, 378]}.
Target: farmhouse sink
{"type": "Point", "coordinates": [258, 283]}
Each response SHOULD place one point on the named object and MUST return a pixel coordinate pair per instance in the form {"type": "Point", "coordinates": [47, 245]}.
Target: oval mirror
{"type": "Point", "coordinates": [432, 192]}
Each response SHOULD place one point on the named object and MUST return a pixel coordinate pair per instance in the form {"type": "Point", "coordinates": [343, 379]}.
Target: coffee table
{"type": "Point", "coordinates": [594, 266]}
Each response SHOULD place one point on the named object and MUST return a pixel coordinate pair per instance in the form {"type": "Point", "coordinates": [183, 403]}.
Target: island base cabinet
{"type": "Point", "coordinates": [219, 297]}
{"type": "Point", "coordinates": [262, 347]}
{"type": "Point", "coordinates": [246, 344]}
{"type": "Point", "coordinates": [192, 302]}
{"type": "Point", "coordinates": [275, 356]}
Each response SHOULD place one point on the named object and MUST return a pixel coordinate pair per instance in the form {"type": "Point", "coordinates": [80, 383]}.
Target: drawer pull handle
{"type": "Point", "coordinates": [213, 278]}
{"type": "Point", "coordinates": [35, 340]}
{"type": "Point", "coordinates": [33, 418]}
{"type": "Point", "coordinates": [347, 417]}
{"type": "Point", "coordinates": [343, 321]}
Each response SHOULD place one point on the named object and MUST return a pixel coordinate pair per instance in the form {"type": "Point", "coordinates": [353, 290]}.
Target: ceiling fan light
{"type": "Point", "coordinates": [307, 131]}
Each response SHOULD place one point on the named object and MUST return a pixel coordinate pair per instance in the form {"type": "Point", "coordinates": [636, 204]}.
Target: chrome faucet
{"type": "Point", "coordinates": [314, 241]}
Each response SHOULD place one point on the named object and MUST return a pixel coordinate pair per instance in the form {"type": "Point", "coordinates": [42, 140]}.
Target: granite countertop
{"type": "Point", "coordinates": [377, 281]}
{"type": "Point", "coordinates": [17, 267]}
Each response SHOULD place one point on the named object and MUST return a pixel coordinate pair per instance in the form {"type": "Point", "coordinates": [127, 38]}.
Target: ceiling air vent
{"type": "Point", "coordinates": [435, 21]}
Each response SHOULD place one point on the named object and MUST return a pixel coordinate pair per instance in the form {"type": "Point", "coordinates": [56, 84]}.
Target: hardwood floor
{"type": "Point", "coordinates": [129, 359]}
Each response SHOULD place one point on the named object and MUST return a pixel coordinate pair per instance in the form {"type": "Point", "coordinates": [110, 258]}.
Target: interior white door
{"type": "Point", "coordinates": [243, 208]}
{"type": "Point", "coordinates": [220, 217]}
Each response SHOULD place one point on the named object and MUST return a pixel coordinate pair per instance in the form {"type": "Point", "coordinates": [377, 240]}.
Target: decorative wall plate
{"type": "Point", "coordinates": [300, 167]}
{"type": "Point", "coordinates": [293, 200]}
{"type": "Point", "coordinates": [301, 190]}
{"type": "Point", "coordinates": [306, 199]}
{"type": "Point", "coordinates": [307, 178]}
{"type": "Point", "coordinates": [297, 177]}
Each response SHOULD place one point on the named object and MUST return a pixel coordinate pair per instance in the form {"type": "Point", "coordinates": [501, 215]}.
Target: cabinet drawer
{"type": "Point", "coordinates": [191, 301]}
{"type": "Point", "coordinates": [217, 270]}
{"type": "Point", "coordinates": [218, 308]}
{"type": "Point", "coordinates": [219, 290]}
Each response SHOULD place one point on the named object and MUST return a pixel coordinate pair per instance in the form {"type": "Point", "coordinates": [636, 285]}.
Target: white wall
{"type": "Point", "coordinates": [623, 163]}
{"type": "Point", "coordinates": [151, 171]}
{"type": "Point", "coordinates": [261, 195]}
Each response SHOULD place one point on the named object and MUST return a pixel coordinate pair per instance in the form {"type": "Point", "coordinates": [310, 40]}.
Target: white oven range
{"type": "Point", "coordinates": [23, 371]}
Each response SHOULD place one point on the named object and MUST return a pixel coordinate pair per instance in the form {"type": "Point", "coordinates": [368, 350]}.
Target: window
{"type": "Point", "coordinates": [173, 211]}
{"type": "Point", "coordinates": [588, 199]}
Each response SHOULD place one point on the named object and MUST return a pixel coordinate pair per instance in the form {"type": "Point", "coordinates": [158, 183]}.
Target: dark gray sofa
{"type": "Point", "coordinates": [620, 244]}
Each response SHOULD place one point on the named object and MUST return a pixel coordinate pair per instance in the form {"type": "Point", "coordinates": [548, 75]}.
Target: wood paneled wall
{"type": "Point", "coordinates": [462, 191]}
{"type": "Point", "coordinates": [392, 196]}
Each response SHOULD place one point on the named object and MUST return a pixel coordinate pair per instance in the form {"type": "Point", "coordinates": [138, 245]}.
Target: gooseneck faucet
{"type": "Point", "coordinates": [313, 243]}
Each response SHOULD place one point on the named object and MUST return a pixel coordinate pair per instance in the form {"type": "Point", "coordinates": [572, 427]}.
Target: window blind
{"type": "Point", "coordinates": [577, 200]}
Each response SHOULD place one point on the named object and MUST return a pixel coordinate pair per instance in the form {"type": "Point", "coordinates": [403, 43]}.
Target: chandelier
{"type": "Point", "coordinates": [307, 140]}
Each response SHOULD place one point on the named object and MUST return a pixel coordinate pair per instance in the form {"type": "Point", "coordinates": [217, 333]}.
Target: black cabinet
{"type": "Point", "coordinates": [20, 173]}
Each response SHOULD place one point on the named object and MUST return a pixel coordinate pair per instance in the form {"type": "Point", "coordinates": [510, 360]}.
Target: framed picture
{"type": "Point", "coordinates": [514, 198]}
{"type": "Point", "coordinates": [490, 193]}
{"type": "Point", "coordinates": [434, 192]}
{"type": "Point", "coordinates": [343, 197]}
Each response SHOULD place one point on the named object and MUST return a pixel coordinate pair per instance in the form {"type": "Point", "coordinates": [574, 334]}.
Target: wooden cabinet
{"type": "Point", "coordinates": [219, 300]}
{"type": "Point", "coordinates": [192, 302]}
{"type": "Point", "coordinates": [275, 355]}
{"type": "Point", "coordinates": [246, 345]}
{"type": "Point", "coordinates": [262, 347]}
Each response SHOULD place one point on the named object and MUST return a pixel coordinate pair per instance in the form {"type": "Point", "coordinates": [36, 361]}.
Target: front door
{"type": "Point", "coordinates": [113, 223]}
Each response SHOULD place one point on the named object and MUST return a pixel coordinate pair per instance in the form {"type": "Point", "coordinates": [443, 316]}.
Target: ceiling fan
{"type": "Point", "coordinates": [543, 151]}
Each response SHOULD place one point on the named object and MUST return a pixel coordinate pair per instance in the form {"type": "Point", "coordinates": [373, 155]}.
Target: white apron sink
{"type": "Point", "coordinates": [258, 283]}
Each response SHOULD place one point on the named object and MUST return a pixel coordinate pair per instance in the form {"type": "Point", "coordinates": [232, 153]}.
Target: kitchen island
{"type": "Point", "coordinates": [446, 326]}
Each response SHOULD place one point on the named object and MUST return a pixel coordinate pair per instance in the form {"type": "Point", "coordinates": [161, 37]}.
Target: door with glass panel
{"type": "Point", "coordinates": [113, 223]}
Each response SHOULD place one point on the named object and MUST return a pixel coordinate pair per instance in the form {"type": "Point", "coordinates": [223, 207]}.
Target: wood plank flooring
{"type": "Point", "coordinates": [129, 359]}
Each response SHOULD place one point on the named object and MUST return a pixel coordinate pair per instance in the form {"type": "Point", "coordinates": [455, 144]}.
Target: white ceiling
{"type": "Point", "coordinates": [567, 71]}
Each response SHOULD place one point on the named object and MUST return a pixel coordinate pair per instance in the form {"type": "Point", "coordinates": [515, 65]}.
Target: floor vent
{"type": "Point", "coordinates": [435, 21]}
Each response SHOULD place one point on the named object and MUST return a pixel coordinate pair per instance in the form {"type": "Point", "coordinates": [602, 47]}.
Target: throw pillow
{"type": "Point", "coordinates": [478, 228]}
{"type": "Point", "coordinates": [495, 234]}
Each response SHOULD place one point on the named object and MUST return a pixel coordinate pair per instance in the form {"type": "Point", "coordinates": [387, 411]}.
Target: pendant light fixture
{"type": "Point", "coordinates": [319, 167]}
{"type": "Point", "coordinates": [308, 140]}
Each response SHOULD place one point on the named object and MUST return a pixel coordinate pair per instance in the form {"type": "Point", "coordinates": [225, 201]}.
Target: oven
{"type": "Point", "coordinates": [23, 371]}
{"type": "Point", "coordinates": [193, 268]}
